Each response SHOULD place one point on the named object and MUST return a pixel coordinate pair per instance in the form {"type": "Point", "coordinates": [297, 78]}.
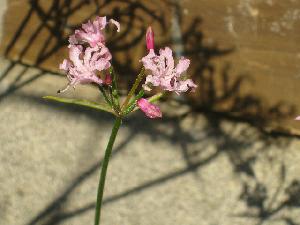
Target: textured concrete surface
{"type": "Point", "coordinates": [198, 169]}
{"type": "Point", "coordinates": [187, 168]}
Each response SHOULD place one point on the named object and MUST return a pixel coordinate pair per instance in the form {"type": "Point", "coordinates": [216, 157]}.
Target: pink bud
{"type": "Point", "coordinates": [151, 110]}
{"type": "Point", "coordinates": [107, 80]}
{"type": "Point", "coordinates": [150, 38]}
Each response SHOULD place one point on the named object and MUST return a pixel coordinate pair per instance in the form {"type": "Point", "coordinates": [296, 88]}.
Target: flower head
{"type": "Point", "coordinates": [151, 110]}
{"type": "Point", "coordinates": [84, 64]}
{"type": "Point", "coordinates": [150, 38]}
{"type": "Point", "coordinates": [297, 118]}
{"type": "Point", "coordinates": [91, 32]}
{"type": "Point", "coordinates": [164, 73]}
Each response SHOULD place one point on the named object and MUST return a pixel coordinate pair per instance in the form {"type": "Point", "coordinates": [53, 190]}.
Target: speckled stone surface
{"type": "Point", "coordinates": [198, 169]}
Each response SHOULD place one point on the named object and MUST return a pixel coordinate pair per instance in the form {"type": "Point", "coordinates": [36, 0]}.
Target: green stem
{"type": "Point", "coordinates": [105, 95]}
{"type": "Point", "coordinates": [115, 92]}
{"type": "Point", "coordinates": [105, 162]}
{"type": "Point", "coordinates": [115, 105]}
{"type": "Point", "coordinates": [134, 87]}
{"type": "Point", "coordinates": [110, 101]}
{"type": "Point", "coordinates": [132, 103]}
{"type": "Point", "coordinates": [152, 99]}
{"type": "Point", "coordinates": [156, 97]}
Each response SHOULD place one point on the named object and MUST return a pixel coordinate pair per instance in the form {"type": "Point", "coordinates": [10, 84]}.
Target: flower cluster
{"type": "Point", "coordinates": [164, 74]}
{"type": "Point", "coordinates": [88, 56]}
{"type": "Point", "coordinates": [91, 32]}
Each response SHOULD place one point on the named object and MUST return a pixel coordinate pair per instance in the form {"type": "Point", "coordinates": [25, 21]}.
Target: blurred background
{"type": "Point", "coordinates": [225, 154]}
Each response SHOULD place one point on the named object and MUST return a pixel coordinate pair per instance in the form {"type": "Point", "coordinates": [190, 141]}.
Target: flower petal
{"type": "Point", "coordinates": [115, 23]}
{"type": "Point", "coordinates": [168, 60]}
{"type": "Point", "coordinates": [182, 65]}
{"type": "Point", "coordinates": [91, 32]}
{"type": "Point", "coordinates": [100, 22]}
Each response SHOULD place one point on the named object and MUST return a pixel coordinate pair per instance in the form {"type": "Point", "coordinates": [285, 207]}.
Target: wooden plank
{"type": "Point", "coordinates": [245, 53]}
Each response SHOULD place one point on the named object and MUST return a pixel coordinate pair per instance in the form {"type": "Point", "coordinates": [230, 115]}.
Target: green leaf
{"type": "Point", "coordinates": [81, 102]}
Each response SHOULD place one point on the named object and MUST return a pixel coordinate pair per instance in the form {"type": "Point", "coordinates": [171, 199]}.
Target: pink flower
{"type": "Point", "coordinates": [91, 32]}
{"type": "Point", "coordinates": [164, 73]}
{"type": "Point", "coordinates": [150, 38]}
{"type": "Point", "coordinates": [84, 64]}
{"type": "Point", "coordinates": [297, 118]}
{"type": "Point", "coordinates": [151, 110]}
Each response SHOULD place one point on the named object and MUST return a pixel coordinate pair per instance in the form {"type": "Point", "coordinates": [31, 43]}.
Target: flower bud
{"type": "Point", "coordinates": [151, 110]}
{"type": "Point", "coordinates": [150, 38]}
{"type": "Point", "coordinates": [108, 80]}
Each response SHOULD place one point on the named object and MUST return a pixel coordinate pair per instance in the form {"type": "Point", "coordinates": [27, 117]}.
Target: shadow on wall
{"type": "Point", "coordinates": [57, 19]}
{"type": "Point", "coordinates": [264, 207]}
{"type": "Point", "coordinates": [40, 41]}
{"type": "Point", "coordinates": [44, 31]}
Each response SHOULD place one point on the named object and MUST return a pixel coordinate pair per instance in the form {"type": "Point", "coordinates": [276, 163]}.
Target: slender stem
{"type": "Point", "coordinates": [105, 162]}
{"type": "Point", "coordinates": [105, 95]}
{"type": "Point", "coordinates": [134, 87]}
{"type": "Point", "coordinates": [114, 102]}
{"type": "Point", "coordinates": [137, 97]}
{"type": "Point", "coordinates": [152, 99]}
{"type": "Point", "coordinates": [156, 97]}
{"type": "Point", "coordinates": [110, 101]}
{"type": "Point", "coordinates": [115, 92]}
{"type": "Point", "coordinates": [132, 103]}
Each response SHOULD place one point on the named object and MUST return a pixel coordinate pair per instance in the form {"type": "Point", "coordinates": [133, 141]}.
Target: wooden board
{"type": "Point", "coordinates": [245, 53]}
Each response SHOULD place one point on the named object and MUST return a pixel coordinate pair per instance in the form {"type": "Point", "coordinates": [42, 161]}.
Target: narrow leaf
{"type": "Point", "coordinates": [81, 102]}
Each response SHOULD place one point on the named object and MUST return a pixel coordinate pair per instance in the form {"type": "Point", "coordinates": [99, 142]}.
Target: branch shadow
{"type": "Point", "coordinates": [194, 149]}
{"type": "Point", "coordinates": [265, 206]}
{"type": "Point", "coordinates": [57, 20]}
